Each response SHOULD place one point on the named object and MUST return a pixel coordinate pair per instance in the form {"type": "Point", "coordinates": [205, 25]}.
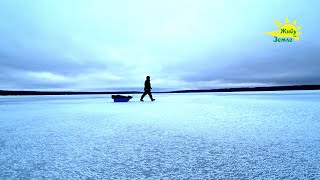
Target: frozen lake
{"type": "Point", "coordinates": [266, 135]}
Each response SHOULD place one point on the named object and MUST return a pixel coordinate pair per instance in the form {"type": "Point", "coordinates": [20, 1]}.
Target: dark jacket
{"type": "Point", "coordinates": [147, 85]}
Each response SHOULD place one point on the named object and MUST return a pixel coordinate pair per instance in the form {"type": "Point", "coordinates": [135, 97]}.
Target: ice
{"type": "Point", "coordinates": [260, 135]}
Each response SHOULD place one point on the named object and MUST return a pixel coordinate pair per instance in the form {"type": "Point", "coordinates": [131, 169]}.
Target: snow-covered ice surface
{"type": "Point", "coordinates": [256, 135]}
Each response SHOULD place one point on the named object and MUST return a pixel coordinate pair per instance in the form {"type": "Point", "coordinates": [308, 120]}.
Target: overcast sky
{"type": "Point", "coordinates": [181, 44]}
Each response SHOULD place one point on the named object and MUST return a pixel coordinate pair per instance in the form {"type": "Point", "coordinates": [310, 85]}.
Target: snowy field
{"type": "Point", "coordinates": [256, 135]}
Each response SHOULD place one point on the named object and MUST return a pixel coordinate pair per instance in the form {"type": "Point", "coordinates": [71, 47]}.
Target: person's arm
{"type": "Point", "coordinates": [146, 85]}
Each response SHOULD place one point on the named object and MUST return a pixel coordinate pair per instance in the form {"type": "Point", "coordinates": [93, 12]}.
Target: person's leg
{"type": "Point", "coordinates": [150, 95]}
{"type": "Point", "coordinates": [144, 94]}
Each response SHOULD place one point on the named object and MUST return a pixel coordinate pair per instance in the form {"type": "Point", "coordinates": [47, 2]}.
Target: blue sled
{"type": "Point", "coordinates": [120, 98]}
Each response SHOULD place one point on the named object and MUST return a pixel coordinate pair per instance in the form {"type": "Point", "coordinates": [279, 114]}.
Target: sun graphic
{"type": "Point", "coordinates": [287, 29]}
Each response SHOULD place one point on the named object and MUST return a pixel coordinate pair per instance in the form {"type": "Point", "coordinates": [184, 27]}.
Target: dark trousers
{"type": "Point", "coordinates": [145, 93]}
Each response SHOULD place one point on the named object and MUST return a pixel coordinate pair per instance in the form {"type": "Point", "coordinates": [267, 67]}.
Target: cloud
{"type": "Point", "coordinates": [281, 66]}
{"type": "Point", "coordinates": [67, 44]}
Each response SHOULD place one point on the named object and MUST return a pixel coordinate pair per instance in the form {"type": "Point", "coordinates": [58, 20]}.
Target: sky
{"type": "Point", "coordinates": [102, 45]}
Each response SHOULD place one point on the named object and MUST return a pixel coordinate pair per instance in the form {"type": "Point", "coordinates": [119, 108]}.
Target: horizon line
{"type": "Point", "coordinates": [168, 91]}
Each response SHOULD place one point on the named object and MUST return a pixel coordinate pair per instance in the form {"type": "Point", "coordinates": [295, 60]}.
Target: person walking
{"type": "Point", "coordinates": [147, 89]}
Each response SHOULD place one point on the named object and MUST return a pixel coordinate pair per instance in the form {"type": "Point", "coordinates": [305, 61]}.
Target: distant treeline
{"type": "Point", "coordinates": [272, 88]}
{"type": "Point", "coordinates": [34, 93]}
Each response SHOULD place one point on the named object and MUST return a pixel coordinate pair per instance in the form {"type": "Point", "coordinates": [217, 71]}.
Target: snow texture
{"type": "Point", "coordinates": [264, 135]}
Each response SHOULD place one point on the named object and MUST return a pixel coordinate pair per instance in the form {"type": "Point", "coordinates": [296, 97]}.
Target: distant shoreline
{"type": "Point", "coordinates": [244, 89]}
